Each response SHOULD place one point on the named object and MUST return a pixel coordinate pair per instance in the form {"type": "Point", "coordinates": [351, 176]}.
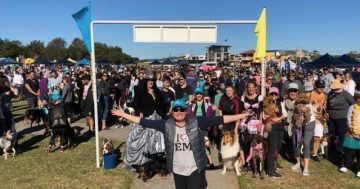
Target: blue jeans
{"type": "Point", "coordinates": [104, 100]}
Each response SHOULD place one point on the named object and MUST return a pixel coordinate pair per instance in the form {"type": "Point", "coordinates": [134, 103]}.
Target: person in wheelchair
{"type": "Point", "coordinates": [58, 124]}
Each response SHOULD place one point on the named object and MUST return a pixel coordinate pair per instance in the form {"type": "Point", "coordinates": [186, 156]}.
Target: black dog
{"type": "Point", "coordinates": [156, 165]}
{"type": "Point", "coordinates": [36, 116]}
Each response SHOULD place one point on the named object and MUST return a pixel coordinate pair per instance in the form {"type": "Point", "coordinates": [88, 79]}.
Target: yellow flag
{"type": "Point", "coordinates": [260, 31]}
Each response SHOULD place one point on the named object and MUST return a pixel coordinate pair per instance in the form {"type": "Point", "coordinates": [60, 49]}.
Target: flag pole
{"type": "Point", "coordinates": [94, 90]}
{"type": "Point", "coordinates": [263, 76]}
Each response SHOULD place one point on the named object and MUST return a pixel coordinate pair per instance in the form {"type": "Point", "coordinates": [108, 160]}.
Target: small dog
{"type": "Point", "coordinates": [232, 154]}
{"type": "Point", "coordinates": [6, 143]}
{"type": "Point", "coordinates": [156, 165]}
{"type": "Point", "coordinates": [34, 116]}
{"type": "Point", "coordinates": [257, 155]}
{"type": "Point", "coordinates": [324, 146]}
{"type": "Point", "coordinates": [107, 146]}
{"type": "Point", "coordinates": [128, 110]}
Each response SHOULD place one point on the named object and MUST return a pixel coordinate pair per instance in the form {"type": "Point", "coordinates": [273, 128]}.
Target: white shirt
{"type": "Point", "coordinates": [18, 79]}
{"type": "Point", "coordinates": [349, 86]}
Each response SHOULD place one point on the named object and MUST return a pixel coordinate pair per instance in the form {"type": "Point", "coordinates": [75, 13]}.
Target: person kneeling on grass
{"type": "Point", "coordinates": [184, 142]}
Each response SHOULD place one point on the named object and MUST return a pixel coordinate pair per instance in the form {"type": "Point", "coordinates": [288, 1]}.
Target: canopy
{"type": "Point", "coordinates": [104, 62]}
{"type": "Point", "coordinates": [83, 62]}
{"type": "Point", "coordinates": [8, 61]}
{"type": "Point", "coordinates": [326, 61]}
{"type": "Point", "coordinates": [167, 61]}
{"type": "Point", "coordinates": [347, 59]}
{"type": "Point", "coordinates": [155, 62]}
{"type": "Point", "coordinates": [71, 60]}
{"type": "Point", "coordinates": [183, 62]}
{"type": "Point", "coordinates": [63, 62]}
{"type": "Point", "coordinates": [44, 61]}
{"type": "Point", "coordinates": [29, 61]}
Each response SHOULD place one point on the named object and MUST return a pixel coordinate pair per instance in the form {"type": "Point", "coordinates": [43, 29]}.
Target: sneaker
{"type": "Point", "coordinates": [358, 174]}
{"type": "Point", "coordinates": [315, 158]}
{"type": "Point", "coordinates": [344, 170]}
{"type": "Point", "coordinates": [305, 172]}
{"type": "Point", "coordinates": [296, 167]}
{"type": "Point", "coordinates": [274, 174]}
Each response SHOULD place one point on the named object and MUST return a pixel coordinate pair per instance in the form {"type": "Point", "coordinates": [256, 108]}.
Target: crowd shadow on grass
{"type": "Point", "coordinates": [32, 129]}
{"type": "Point", "coordinates": [31, 143]}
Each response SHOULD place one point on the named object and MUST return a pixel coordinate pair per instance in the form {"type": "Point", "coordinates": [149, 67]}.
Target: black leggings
{"type": "Point", "coordinates": [350, 154]}
{"type": "Point", "coordinates": [274, 145]}
{"type": "Point", "coordinates": [194, 181]}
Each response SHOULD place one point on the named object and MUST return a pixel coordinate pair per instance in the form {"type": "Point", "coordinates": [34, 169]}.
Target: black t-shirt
{"type": "Point", "coordinates": [229, 107]}
{"type": "Point", "coordinates": [34, 85]}
{"type": "Point", "coordinates": [181, 92]}
{"type": "Point", "coordinates": [168, 97]}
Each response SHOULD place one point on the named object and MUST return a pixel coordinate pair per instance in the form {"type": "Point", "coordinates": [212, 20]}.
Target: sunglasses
{"type": "Point", "coordinates": [273, 94]}
{"type": "Point", "coordinates": [292, 91]}
{"type": "Point", "coordinates": [178, 109]}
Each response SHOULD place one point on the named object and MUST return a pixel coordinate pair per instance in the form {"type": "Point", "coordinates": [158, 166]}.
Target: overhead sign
{"type": "Point", "coordinates": [175, 33]}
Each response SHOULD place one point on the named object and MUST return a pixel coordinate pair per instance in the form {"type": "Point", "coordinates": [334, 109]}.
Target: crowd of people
{"type": "Point", "coordinates": [330, 110]}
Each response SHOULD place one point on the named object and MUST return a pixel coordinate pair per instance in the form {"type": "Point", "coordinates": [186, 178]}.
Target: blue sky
{"type": "Point", "coordinates": [323, 25]}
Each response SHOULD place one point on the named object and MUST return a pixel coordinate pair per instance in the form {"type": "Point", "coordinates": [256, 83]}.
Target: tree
{"type": "Point", "coordinates": [11, 48]}
{"type": "Point", "coordinates": [56, 49]}
{"type": "Point", "coordinates": [35, 48]}
{"type": "Point", "coordinates": [353, 54]}
{"type": "Point", "coordinates": [77, 50]}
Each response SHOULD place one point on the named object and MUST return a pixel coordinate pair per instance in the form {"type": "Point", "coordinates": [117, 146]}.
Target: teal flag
{"type": "Point", "coordinates": [83, 20]}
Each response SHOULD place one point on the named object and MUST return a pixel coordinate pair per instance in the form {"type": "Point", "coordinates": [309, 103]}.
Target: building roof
{"type": "Point", "coordinates": [248, 52]}
{"type": "Point", "coordinates": [219, 46]}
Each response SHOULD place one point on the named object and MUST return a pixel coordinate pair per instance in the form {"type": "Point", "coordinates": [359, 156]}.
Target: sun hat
{"type": "Point", "coordinates": [336, 84]}
{"type": "Point", "coordinates": [273, 90]}
{"type": "Point", "coordinates": [308, 88]}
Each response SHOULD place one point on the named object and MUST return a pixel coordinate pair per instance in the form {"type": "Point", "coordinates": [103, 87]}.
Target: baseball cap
{"type": "Point", "coordinates": [293, 86]}
{"type": "Point", "coordinates": [273, 90]}
{"type": "Point", "coordinates": [198, 90]}
{"type": "Point", "coordinates": [179, 103]}
{"type": "Point", "coordinates": [320, 83]}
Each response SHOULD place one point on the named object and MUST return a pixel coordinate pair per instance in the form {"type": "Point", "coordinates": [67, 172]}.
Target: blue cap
{"type": "Point", "coordinates": [199, 90]}
{"type": "Point", "coordinates": [179, 103]}
{"type": "Point", "coordinates": [67, 72]}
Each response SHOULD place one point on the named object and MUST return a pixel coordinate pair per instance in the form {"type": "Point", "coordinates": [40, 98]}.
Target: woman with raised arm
{"type": "Point", "coordinates": [184, 142]}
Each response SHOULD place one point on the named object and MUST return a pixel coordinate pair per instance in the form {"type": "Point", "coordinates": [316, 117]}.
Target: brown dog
{"type": "Point", "coordinates": [231, 153]}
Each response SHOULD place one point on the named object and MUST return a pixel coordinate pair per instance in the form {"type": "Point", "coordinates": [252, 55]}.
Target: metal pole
{"type": "Point", "coordinates": [263, 76]}
{"type": "Point", "coordinates": [175, 22]}
{"type": "Point", "coordinates": [94, 90]}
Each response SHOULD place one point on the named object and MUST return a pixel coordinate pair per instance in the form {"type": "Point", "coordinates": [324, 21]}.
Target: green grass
{"type": "Point", "coordinates": [322, 175]}
{"type": "Point", "coordinates": [74, 168]}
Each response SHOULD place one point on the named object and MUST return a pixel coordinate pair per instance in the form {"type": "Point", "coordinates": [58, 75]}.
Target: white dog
{"type": "Point", "coordinates": [6, 144]}
{"type": "Point", "coordinates": [232, 155]}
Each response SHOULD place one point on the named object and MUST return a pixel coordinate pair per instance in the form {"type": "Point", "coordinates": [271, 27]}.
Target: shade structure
{"type": "Point", "coordinates": [8, 61]}
{"type": "Point", "coordinates": [44, 62]}
{"type": "Point", "coordinates": [29, 61]}
{"type": "Point", "coordinates": [83, 62]}
{"type": "Point", "coordinates": [155, 62]}
{"type": "Point", "coordinates": [103, 62]}
{"type": "Point", "coordinates": [347, 59]}
{"type": "Point", "coordinates": [183, 63]}
{"type": "Point", "coordinates": [326, 61]}
{"type": "Point", "coordinates": [63, 62]}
